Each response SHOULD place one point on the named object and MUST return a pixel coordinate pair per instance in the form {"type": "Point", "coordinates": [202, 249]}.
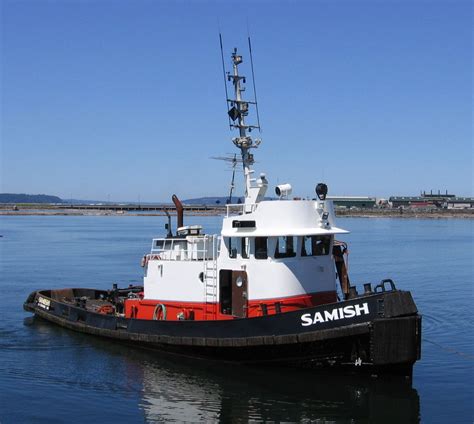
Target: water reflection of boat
{"type": "Point", "coordinates": [181, 391]}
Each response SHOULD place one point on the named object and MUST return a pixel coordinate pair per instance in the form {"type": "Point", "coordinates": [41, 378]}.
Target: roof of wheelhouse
{"type": "Point", "coordinates": [284, 217]}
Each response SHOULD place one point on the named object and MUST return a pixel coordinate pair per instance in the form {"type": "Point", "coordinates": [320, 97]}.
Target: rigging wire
{"type": "Point", "coordinates": [225, 82]}
{"type": "Point", "coordinates": [253, 83]}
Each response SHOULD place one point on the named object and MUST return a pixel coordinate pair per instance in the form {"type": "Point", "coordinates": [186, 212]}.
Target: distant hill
{"type": "Point", "coordinates": [44, 198]}
{"type": "Point", "coordinates": [28, 198]}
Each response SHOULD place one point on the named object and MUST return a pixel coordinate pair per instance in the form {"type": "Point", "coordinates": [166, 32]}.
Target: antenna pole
{"type": "Point", "coordinates": [239, 109]}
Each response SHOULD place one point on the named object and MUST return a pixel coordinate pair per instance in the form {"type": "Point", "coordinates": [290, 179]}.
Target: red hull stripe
{"type": "Point", "coordinates": [146, 309]}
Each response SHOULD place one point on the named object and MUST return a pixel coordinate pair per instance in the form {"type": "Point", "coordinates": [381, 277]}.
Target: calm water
{"type": "Point", "coordinates": [48, 374]}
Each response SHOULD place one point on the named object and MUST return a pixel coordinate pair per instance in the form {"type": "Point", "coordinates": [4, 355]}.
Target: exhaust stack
{"type": "Point", "coordinates": [179, 211]}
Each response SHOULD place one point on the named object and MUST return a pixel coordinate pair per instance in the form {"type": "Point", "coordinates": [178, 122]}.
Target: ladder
{"type": "Point", "coordinates": [210, 282]}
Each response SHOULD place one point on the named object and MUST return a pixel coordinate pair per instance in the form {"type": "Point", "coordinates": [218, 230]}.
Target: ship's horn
{"type": "Point", "coordinates": [179, 210]}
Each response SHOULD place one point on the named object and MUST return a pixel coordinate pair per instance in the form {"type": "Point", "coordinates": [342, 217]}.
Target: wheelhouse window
{"type": "Point", "coordinates": [245, 247]}
{"type": "Point", "coordinates": [261, 250]}
{"type": "Point", "coordinates": [315, 245]}
{"type": "Point", "coordinates": [285, 247]}
{"type": "Point", "coordinates": [232, 247]}
{"type": "Point", "coordinates": [163, 244]}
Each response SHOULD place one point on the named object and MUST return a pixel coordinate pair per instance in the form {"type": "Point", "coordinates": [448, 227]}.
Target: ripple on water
{"type": "Point", "coordinates": [16, 339]}
{"type": "Point", "coordinates": [432, 324]}
{"type": "Point", "coordinates": [44, 378]}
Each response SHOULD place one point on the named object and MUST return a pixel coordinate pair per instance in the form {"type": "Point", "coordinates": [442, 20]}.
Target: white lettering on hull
{"type": "Point", "coordinates": [349, 311]}
{"type": "Point", "coordinates": [44, 303]}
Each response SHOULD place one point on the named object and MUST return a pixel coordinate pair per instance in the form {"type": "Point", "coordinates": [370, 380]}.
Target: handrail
{"type": "Point", "coordinates": [181, 249]}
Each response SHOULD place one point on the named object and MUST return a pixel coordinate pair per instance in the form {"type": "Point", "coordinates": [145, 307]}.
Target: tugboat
{"type": "Point", "coordinates": [264, 291]}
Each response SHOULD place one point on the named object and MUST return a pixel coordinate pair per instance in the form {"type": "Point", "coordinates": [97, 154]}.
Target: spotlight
{"type": "Point", "coordinates": [283, 190]}
{"type": "Point", "coordinates": [321, 191]}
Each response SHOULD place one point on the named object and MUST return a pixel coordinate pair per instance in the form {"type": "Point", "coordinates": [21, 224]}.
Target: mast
{"type": "Point", "coordinates": [254, 188]}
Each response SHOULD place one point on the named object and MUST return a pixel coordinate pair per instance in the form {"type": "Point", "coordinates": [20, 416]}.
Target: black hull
{"type": "Point", "coordinates": [386, 339]}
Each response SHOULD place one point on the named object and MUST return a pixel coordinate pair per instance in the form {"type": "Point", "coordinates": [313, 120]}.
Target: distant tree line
{"type": "Point", "coordinates": [29, 198]}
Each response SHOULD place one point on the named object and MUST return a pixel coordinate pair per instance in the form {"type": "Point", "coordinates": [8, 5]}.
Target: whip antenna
{"type": "Point", "coordinates": [253, 83]}
{"type": "Point", "coordinates": [233, 161]}
{"type": "Point", "coordinates": [225, 82]}
{"type": "Point", "coordinates": [232, 185]}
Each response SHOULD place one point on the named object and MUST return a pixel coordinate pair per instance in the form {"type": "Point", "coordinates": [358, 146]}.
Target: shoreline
{"type": "Point", "coordinates": [361, 213]}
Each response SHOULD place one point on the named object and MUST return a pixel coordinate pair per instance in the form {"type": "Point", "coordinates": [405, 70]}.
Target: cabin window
{"type": "Point", "coordinates": [315, 245]}
{"type": "Point", "coordinates": [261, 251]}
{"type": "Point", "coordinates": [285, 247]}
{"type": "Point", "coordinates": [163, 244]}
{"type": "Point", "coordinates": [232, 247]}
{"type": "Point", "coordinates": [245, 247]}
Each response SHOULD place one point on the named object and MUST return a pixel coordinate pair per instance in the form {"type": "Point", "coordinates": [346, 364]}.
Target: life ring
{"type": "Point", "coordinates": [106, 310]}
{"type": "Point", "coordinates": [159, 313]}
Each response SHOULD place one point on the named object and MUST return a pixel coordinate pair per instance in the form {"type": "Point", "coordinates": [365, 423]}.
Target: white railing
{"type": "Point", "coordinates": [186, 249]}
{"type": "Point", "coordinates": [240, 208]}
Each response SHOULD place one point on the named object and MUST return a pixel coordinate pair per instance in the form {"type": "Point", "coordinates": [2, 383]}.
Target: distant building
{"type": "Point", "coordinates": [460, 203]}
{"type": "Point", "coordinates": [411, 201]}
{"type": "Point", "coordinates": [353, 201]}
{"type": "Point", "coordinates": [437, 196]}
{"type": "Point", "coordinates": [433, 200]}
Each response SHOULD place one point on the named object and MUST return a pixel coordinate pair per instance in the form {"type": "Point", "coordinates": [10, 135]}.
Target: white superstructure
{"type": "Point", "coordinates": [271, 254]}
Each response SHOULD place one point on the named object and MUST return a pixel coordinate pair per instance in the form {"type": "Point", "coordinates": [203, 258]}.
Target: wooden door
{"type": "Point", "coordinates": [239, 294]}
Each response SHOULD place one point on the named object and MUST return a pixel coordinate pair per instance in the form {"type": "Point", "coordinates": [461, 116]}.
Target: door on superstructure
{"type": "Point", "coordinates": [239, 294]}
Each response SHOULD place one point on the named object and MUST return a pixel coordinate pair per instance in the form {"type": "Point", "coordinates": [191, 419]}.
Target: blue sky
{"type": "Point", "coordinates": [125, 99]}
